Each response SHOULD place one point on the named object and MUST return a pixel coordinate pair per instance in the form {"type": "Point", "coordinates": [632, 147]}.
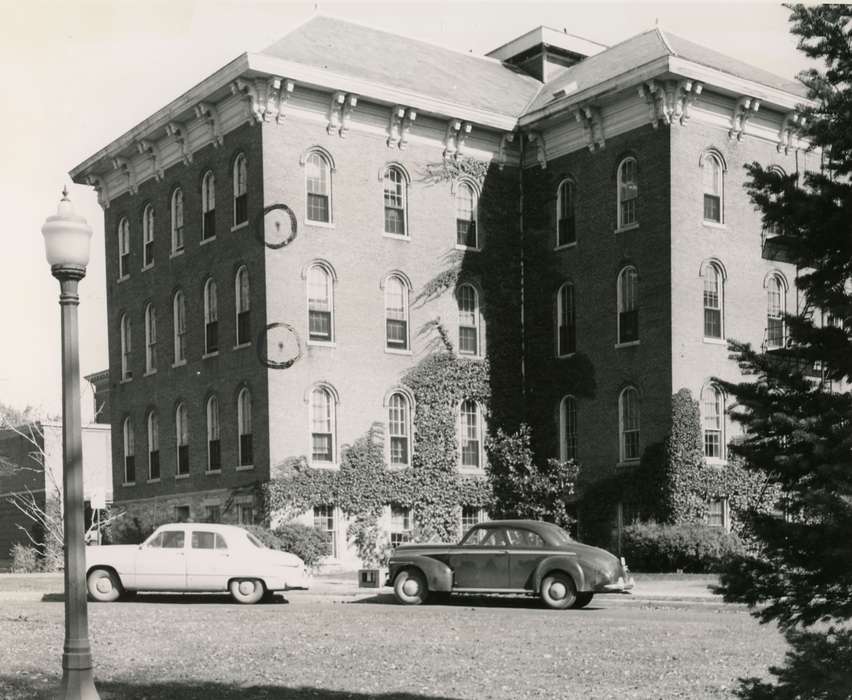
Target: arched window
{"type": "Point", "coordinates": [468, 302]}
{"type": "Point", "coordinates": [150, 339]}
{"type": "Point", "coordinates": [399, 430]}
{"type": "Point", "coordinates": [208, 206]}
{"type": "Point", "coordinates": [566, 331]}
{"type": "Point", "coordinates": [240, 177]}
{"type": "Point", "coordinates": [214, 449]}
{"type": "Point", "coordinates": [320, 304]}
{"type": "Point", "coordinates": [628, 418]}
{"type": "Point", "coordinates": [182, 439]}
{"type": "Point", "coordinates": [714, 181]}
{"type": "Point", "coordinates": [177, 220]}
{"type": "Point", "coordinates": [396, 313]}
{"type": "Point", "coordinates": [148, 236]}
{"type": "Point", "coordinates": [129, 458]}
{"type": "Point", "coordinates": [244, 429]}
{"type": "Point", "coordinates": [123, 248]}
{"type": "Point", "coordinates": [628, 305]}
{"type": "Point", "coordinates": [712, 419]}
{"type": "Point", "coordinates": [470, 434]}
{"type": "Point", "coordinates": [318, 188]}
{"type": "Point", "coordinates": [568, 428]}
{"type": "Point", "coordinates": [153, 446]}
{"type": "Point", "coordinates": [243, 306]}
{"type": "Point", "coordinates": [628, 193]}
{"type": "Point", "coordinates": [714, 284]}
{"type": "Point", "coordinates": [396, 201]}
{"type": "Point", "coordinates": [775, 229]}
{"type": "Point", "coordinates": [211, 318]}
{"type": "Point", "coordinates": [179, 325]}
{"type": "Point", "coordinates": [323, 425]}
{"type": "Point", "coordinates": [566, 233]}
{"type": "Point", "coordinates": [126, 371]}
{"type": "Point", "coordinates": [776, 292]}
{"type": "Point", "coordinates": [466, 216]}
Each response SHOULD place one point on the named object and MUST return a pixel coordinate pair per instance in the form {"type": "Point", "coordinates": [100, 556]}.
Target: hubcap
{"type": "Point", "coordinates": [411, 587]}
{"type": "Point", "coordinates": [558, 590]}
{"type": "Point", "coordinates": [104, 585]}
{"type": "Point", "coordinates": [246, 587]}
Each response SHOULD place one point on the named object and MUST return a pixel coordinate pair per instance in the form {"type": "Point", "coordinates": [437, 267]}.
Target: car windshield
{"type": "Point", "coordinates": [256, 542]}
{"type": "Point", "coordinates": [559, 535]}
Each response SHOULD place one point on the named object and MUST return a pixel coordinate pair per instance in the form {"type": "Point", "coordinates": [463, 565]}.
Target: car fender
{"type": "Point", "coordinates": [439, 576]}
{"type": "Point", "coordinates": [560, 562]}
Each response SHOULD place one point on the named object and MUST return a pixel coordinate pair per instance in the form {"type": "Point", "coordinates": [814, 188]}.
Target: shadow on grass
{"type": "Point", "coordinates": [16, 688]}
{"type": "Point", "coordinates": [461, 600]}
{"type": "Point", "coordinates": [175, 598]}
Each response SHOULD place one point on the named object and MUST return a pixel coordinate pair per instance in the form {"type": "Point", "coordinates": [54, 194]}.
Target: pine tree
{"type": "Point", "coordinates": [796, 407]}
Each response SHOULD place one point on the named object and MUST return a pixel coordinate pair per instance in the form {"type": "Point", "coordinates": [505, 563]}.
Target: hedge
{"type": "Point", "coordinates": [688, 547]}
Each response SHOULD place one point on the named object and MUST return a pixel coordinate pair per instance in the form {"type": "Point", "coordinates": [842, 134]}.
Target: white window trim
{"type": "Point", "coordinates": [621, 226]}
{"type": "Point", "coordinates": [478, 320]}
{"type": "Point", "coordinates": [406, 292]}
{"type": "Point", "coordinates": [559, 355]}
{"type": "Point", "coordinates": [332, 288]}
{"type": "Point", "coordinates": [622, 457]}
{"type": "Point", "coordinates": [208, 174]}
{"type": "Point", "coordinates": [244, 391]}
{"type": "Point", "coordinates": [335, 427]}
{"type": "Point", "coordinates": [723, 425]}
{"type": "Point", "coordinates": [722, 278]}
{"type": "Point", "coordinates": [405, 201]}
{"type": "Point", "coordinates": [483, 431]}
{"type": "Point", "coordinates": [146, 230]}
{"type": "Point", "coordinates": [474, 213]}
{"type": "Point", "coordinates": [127, 432]}
{"type": "Point", "coordinates": [572, 244]}
{"type": "Point", "coordinates": [126, 333]}
{"type": "Point", "coordinates": [409, 419]}
{"type": "Point", "coordinates": [618, 308]}
{"type": "Point", "coordinates": [175, 251]}
{"type": "Point", "coordinates": [563, 424]}
{"type": "Point", "coordinates": [721, 223]}
{"type": "Point", "coordinates": [240, 157]}
{"type": "Point", "coordinates": [331, 169]}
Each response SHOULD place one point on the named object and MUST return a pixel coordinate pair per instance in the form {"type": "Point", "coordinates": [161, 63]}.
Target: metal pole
{"type": "Point", "coordinates": [77, 679]}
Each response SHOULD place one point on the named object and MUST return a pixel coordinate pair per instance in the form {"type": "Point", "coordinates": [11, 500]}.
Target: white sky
{"type": "Point", "coordinates": [78, 74]}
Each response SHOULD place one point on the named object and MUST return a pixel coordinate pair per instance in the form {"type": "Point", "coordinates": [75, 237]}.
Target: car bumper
{"type": "Point", "coordinates": [620, 585]}
{"type": "Point", "coordinates": [288, 581]}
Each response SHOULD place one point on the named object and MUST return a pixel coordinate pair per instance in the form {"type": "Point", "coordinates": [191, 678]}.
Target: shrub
{"type": "Point", "coordinates": [129, 531]}
{"type": "Point", "coordinates": [25, 559]}
{"type": "Point", "coordinates": [302, 540]}
{"type": "Point", "coordinates": [692, 548]}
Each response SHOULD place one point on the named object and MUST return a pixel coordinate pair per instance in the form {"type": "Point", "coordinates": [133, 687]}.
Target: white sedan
{"type": "Point", "coordinates": [194, 557]}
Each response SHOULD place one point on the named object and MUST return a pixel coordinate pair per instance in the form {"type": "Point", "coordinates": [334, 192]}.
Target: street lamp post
{"type": "Point", "coordinates": [66, 243]}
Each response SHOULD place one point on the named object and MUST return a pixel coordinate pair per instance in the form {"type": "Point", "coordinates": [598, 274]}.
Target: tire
{"type": "Point", "coordinates": [409, 587]}
{"type": "Point", "coordinates": [104, 586]}
{"type": "Point", "coordinates": [558, 591]}
{"type": "Point", "coordinates": [247, 591]}
{"type": "Point", "coordinates": [583, 599]}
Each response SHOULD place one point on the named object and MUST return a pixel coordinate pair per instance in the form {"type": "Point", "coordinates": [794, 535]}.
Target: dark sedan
{"type": "Point", "coordinates": [508, 556]}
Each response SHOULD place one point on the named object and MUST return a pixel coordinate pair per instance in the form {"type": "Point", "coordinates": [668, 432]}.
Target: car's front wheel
{"type": "Point", "coordinates": [103, 585]}
{"type": "Point", "coordinates": [583, 599]}
{"type": "Point", "coordinates": [558, 591]}
{"type": "Point", "coordinates": [246, 590]}
{"type": "Point", "coordinates": [409, 587]}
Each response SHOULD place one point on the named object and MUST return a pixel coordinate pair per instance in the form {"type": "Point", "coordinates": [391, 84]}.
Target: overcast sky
{"type": "Point", "coordinates": [77, 75]}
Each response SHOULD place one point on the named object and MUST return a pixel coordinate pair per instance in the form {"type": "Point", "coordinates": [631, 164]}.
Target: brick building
{"type": "Point", "coordinates": [271, 231]}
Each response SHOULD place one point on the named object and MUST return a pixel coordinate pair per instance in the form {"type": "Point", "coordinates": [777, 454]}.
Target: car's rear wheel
{"type": "Point", "coordinates": [583, 599]}
{"type": "Point", "coordinates": [409, 587]}
{"type": "Point", "coordinates": [103, 585]}
{"type": "Point", "coordinates": [247, 590]}
{"type": "Point", "coordinates": [558, 591]}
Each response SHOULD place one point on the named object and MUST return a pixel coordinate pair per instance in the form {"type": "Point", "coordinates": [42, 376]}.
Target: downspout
{"type": "Point", "coordinates": [522, 271]}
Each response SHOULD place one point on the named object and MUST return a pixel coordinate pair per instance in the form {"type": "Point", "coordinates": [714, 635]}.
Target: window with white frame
{"type": "Point", "coordinates": [153, 446]}
{"type": "Point", "coordinates": [179, 325]}
{"type": "Point", "coordinates": [568, 428]}
{"type": "Point", "coordinates": [712, 419]}
{"type": "Point", "coordinates": [323, 420]}
{"type": "Point", "coordinates": [240, 178]}
{"type": "Point", "coordinates": [123, 248]}
{"type": "Point", "coordinates": [775, 229]}
{"type": "Point", "coordinates": [208, 206]}
{"type": "Point", "coordinates": [244, 429]}
{"type": "Point", "coordinates": [126, 347]}
{"type": "Point", "coordinates": [566, 328]}
{"type": "Point", "coordinates": [318, 188]}
{"type": "Point", "coordinates": [776, 290]}
{"type": "Point", "coordinates": [396, 201]}
{"type": "Point", "coordinates": [399, 430]}
{"type": "Point", "coordinates": [211, 317]}
{"type": "Point", "coordinates": [400, 525]}
{"type": "Point", "coordinates": [129, 452]}
{"type": "Point", "coordinates": [468, 303]}
{"type": "Point", "coordinates": [628, 193]}
{"type": "Point", "coordinates": [243, 306]}
{"type": "Point", "coordinates": [566, 232]}
{"type": "Point", "coordinates": [150, 339]}
{"type": "Point", "coordinates": [472, 515]}
{"type": "Point", "coordinates": [182, 439]}
{"type": "Point", "coordinates": [324, 521]}
{"type": "Point", "coordinates": [470, 434]}
{"type": "Point", "coordinates": [396, 313]}
{"type": "Point", "coordinates": [177, 220]}
{"type": "Point", "coordinates": [628, 305]}
{"type": "Point", "coordinates": [213, 514]}
{"type": "Point", "coordinates": [717, 513]}
{"type": "Point", "coordinates": [466, 216]}
{"type": "Point", "coordinates": [148, 236]}
{"type": "Point", "coordinates": [214, 444]}
{"type": "Point", "coordinates": [713, 179]}
{"type": "Point", "coordinates": [320, 304]}
{"type": "Point", "coordinates": [245, 513]}
{"type": "Point", "coordinates": [713, 301]}
{"type": "Point", "coordinates": [628, 418]}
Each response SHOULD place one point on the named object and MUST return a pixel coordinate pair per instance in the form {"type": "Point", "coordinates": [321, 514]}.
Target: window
{"type": "Point", "coordinates": [628, 305]}
{"type": "Point", "coordinates": [713, 289]}
{"type": "Point", "coordinates": [126, 372]}
{"type": "Point", "coordinates": [470, 516]}
{"type": "Point", "coordinates": [323, 418]}
{"type": "Point", "coordinates": [717, 513]}
{"type": "Point", "coordinates": [179, 316]}
{"type": "Point", "coordinates": [468, 303]}
{"type": "Point", "coordinates": [712, 418]}
{"type": "Point", "coordinates": [628, 193]}
{"type": "Point", "coordinates": [182, 439]}
{"type": "Point", "coordinates": [150, 339]}
{"type": "Point", "coordinates": [207, 540]}
{"type": "Point", "coordinates": [566, 233]}
{"type": "Point", "coordinates": [243, 303]}
{"type": "Point", "coordinates": [566, 335]}
{"type": "Point", "coordinates": [396, 200]}
{"type": "Point", "coordinates": [212, 514]}
{"type": "Point", "coordinates": [628, 412]}
{"type": "Point", "coordinates": [129, 458]}
{"type": "Point", "coordinates": [324, 522]}
{"type": "Point", "coordinates": [400, 529]}
{"type": "Point", "coordinates": [153, 446]}
{"type": "Point", "coordinates": [396, 313]}
{"type": "Point", "coordinates": [628, 514]}
{"type": "Point", "coordinates": [246, 456]}
{"type": "Point", "coordinates": [775, 229]}
{"type": "Point", "coordinates": [245, 514]}
{"type": "Point", "coordinates": [320, 304]}
{"type": "Point", "coordinates": [148, 236]}
{"type": "Point", "coordinates": [240, 189]}
{"type": "Point", "coordinates": [214, 445]}
{"type": "Point", "coordinates": [174, 539]}
{"type": "Point", "coordinates": [211, 318]}
{"type": "Point", "coordinates": [399, 430]}
{"type": "Point", "coordinates": [568, 428]}
{"type": "Point", "coordinates": [208, 206]}
{"type": "Point", "coordinates": [466, 215]}
{"type": "Point", "coordinates": [775, 297]}
{"type": "Point", "coordinates": [713, 177]}
{"type": "Point", "coordinates": [470, 438]}
{"type": "Point", "coordinates": [318, 186]}
{"type": "Point", "coordinates": [177, 221]}
{"type": "Point", "coordinates": [123, 248]}
{"type": "Point", "coordinates": [520, 538]}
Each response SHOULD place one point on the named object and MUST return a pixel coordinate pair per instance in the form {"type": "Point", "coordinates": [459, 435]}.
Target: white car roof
{"type": "Point", "coordinates": [213, 527]}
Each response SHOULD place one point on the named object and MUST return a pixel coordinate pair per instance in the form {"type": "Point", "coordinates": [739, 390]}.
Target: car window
{"type": "Point", "coordinates": [155, 541]}
{"type": "Point", "coordinates": [486, 537]}
{"type": "Point", "coordinates": [220, 542]}
{"type": "Point", "coordinates": [203, 540]}
{"type": "Point", "coordinates": [524, 538]}
{"type": "Point", "coordinates": [475, 537]}
{"type": "Point", "coordinates": [256, 542]}
{"type": "Point", "coordinates": [173, 539]}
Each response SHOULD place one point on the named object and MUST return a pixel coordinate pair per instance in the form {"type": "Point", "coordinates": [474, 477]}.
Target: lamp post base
{"type": "Point", "coordinates": [77, 684]}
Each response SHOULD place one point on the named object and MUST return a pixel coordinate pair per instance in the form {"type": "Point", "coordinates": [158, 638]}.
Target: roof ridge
{"type": "Point", "coordinates": [665, 40]}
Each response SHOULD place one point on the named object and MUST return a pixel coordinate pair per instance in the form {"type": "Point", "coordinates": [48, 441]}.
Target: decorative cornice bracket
{"type": "Point", "coordinates": [592, 120]}
{"type": "Point", "coordinates": [455, 137]}
{"type": "Point", "coordinates": [537, 138]}
{"type": "Point", "coordinates": [248, 90]}
{"type": "Point", "coordinates": [282, 88]}
{"type": "Point", "coordinates": [179, 134]}
{"type": "Point", "coordinates": [501, 154]}
{"type": "Point", "coordinates": [152, 150]}
{"type": "Point", "coordinates": [688, 93]}
{"type": "Point", "coordinates": [100, 188]}
{"type": "Point", "coordinates": [334, 113]}
{"type": "Point", "coordinates": [210, 113]}
{"type": "Point", "coordinates": [125, 167]}
{"type": "Point", "coordinates": [349, 104]}
{"type": "Point", "coordinates": [670, 101]}
{"type": "Point", "coordinates": [744, 108]}
{"type": "Point", "coordinates": [787, 135]}
{"type": "Point", "coordinates": [397, 114]}
{"type": "Point", "coordinates": [407, 123]}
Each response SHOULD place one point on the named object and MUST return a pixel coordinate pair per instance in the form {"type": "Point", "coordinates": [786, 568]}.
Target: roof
{"type": "Point", "coordinates": [551, 37]}
{"type": "Point", "coordinates": [352, 49]}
